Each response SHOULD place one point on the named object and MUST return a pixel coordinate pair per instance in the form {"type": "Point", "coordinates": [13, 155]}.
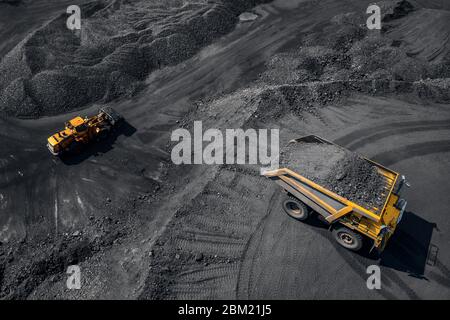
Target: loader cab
{"type": "Point", "coordinates": [78, 124]}
{"type": "Point", "coordinates": [81, 128]}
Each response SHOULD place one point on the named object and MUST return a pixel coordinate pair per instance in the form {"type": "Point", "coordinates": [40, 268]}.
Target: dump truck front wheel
{"type": "Point", "coordinates": [348, 238]}
{"type": "Point", "coordinates": [296, 209]}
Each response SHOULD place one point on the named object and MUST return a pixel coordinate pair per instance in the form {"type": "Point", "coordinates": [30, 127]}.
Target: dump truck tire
{"type": "Point", "coordinates": [347, 238]}
{"type": "Point", "coordinates": [296, 209]}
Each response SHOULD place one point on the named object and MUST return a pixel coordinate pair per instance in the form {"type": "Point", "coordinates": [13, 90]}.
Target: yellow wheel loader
{"type": "Point", "coordinates": [349, 221]}
{"type": "Point", "coordinates": [80, 131]}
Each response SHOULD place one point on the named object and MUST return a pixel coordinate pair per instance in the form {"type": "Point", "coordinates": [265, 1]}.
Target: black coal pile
{"type": "Point", "coordinates": [341, 171]}
{"type": "Point", "coordinates": [312, 160]}
{"type": "Point", "coordinates": [357, 180]}
{"type": "Point", "coordinates": [55, 70]}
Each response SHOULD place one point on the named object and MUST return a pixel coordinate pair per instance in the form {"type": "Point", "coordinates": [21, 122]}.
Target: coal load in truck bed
{"type": "Point", "coordinates": [339, 170]}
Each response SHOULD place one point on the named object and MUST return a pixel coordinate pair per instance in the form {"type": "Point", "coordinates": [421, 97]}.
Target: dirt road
{"type": "Point", "coordinates": [224, 226]}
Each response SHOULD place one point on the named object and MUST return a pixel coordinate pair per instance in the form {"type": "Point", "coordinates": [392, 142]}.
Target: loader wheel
{"type": "Point", "coordinates": [296, 209]}
{"type": "Point", "coordinates": [74, 148]}
{"type": "Point", "coordinates": [102, 135]}
{"type": "Point", "coordinates": [347, 238]}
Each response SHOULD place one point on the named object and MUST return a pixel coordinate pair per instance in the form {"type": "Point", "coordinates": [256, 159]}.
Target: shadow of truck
{"type": "Point", "coordinates": [408, 249]}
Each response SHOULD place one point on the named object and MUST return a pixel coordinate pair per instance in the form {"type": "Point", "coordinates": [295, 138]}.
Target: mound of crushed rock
{"type": "Point", "coordinates": [337, 169]}
{"type": "Point", "coordinates": [274, 101]}
{"type": "Point", "coordinates": [345, 56]}
{"type": "Point", "coordinates": [55, 70]}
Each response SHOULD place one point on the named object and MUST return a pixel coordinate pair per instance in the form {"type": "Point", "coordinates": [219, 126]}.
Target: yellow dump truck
{"type": "Point", "coordinates": [81, 131]}
{"type": "Point", "coordinates": [349, 221]}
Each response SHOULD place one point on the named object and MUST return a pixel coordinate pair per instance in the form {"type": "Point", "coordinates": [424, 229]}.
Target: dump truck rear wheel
{"type": "Point", "coordinates": [296, 209]}
{"type": "Point", "coordinates": [347, 238]}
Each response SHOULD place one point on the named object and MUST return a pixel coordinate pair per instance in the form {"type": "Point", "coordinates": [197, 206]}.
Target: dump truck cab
{"type": "Point", "coordinates": [348, 219]}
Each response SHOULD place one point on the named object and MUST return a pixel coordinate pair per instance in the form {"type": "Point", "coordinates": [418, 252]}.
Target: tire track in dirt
{"type": "Point", "coordinates": [391, 157]}
{"type": "Point", "coordinates": [366, 134]}
{"type": "Point", "coordinates": [209, 236]}
{"type": "Point", "coordinates": [391, 132]}
{"type": "Point", "coordinates": [244, 282]}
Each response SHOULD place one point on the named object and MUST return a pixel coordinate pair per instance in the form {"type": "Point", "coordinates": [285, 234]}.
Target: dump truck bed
{"type": "Point", "coordinates": [328, 205]}
{"type": "Point", "coordinates": [340, 172]}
